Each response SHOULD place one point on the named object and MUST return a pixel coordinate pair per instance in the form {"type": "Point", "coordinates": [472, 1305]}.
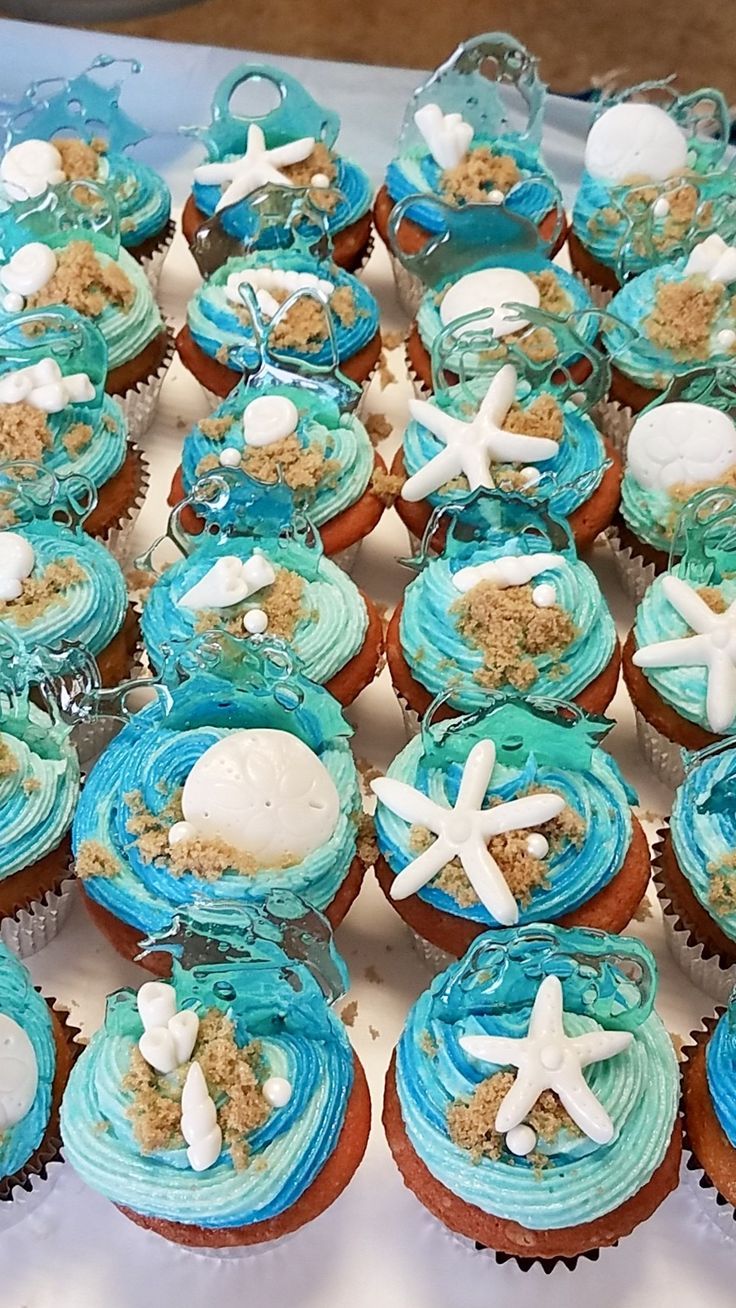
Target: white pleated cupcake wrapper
{"type": "Point", "coordinates": [662, 755]}
{"type": "Point", "coordinates": [117, 539]}
{"type": "Point", "coordinates": [152, 264]}
{"type": "Point", "coordinates": [634, 575]}
{"type": "Point", "coordinates": [140, 401]}
{"type": "Point", "coordinates": [614, 421]}
{"type": "Point", "coordinates": [421, 390]}
{"type": "Point", "coordinates": [434, 958]}
{"type": "Point", "coordinates": [409, 287]}
{"type": "Point", "coordinates": [714, 1215]}
{"type": "Point", "coordinates": [30, 929]}
{"type": "Point", "coordinates": [687, 952]}
{"type": "Point", "coordinates": [597, 294]}
{"type": "Point", "coordinates": [25, 1202]}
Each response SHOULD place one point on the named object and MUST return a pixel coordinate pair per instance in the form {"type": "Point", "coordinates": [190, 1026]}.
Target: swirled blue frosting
{"type": "Point", "coordinates": [577, 869]}
{"type": "Point", "coordinates": [720, 1066]}
{"type": "Point", "coordinates": [99, 458]}
{"type": "Point", "coordinates": [416, 171]}
{"type": "Point", "coordinates": [703, 830]}
{"type": "Point", "coordinates": [683, 688]}
{"type": "Point", "coordinates": [19, 1001]}
{"type": "Point", "coordinates": [334, 618]}
{"type": "Point", "coordinates": [237, 220]}
{"type": "Point", "coordinates": [579, 1181]}
{"type": "Point", "coordinates": [39, 788]}
{"type": "Point", "coordinates": [442, 660]}
{"type": "Point", "coordinates": [640, 358]}
{"type": "Point", "coordinates": [153, 756]}
{"type": "Point", "coordinates": [341, 438]}
{"type": "Point", "coordinates": [651, 514]}
{"type": "Point", "coordinates": [214, 323]}
{"type": "Point", "coordinates": [299, 1038]}
{"type": "Point", "coordinates": [143, 198]}
{"type": "Point", "coordinates": [88, 611]}
{"type": "Point", "coordinates": [581, 452]}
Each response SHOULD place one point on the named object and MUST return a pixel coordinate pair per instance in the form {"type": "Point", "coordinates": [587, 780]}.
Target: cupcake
{"type": "Point", "coordinates": [515, 427]}
{"type": "Point", "coordinates": [291, 145]}
{"type": "Point", "coordinates": [37, 1056]}
{"type": "Point", "coordinates": [58, 584]}
{"type": "Point", "coordinates": [39, 789]}
{"type": "Point", "coordinates": [653, 159]}
{"type": "Point", "coordinates": [675, 449]}
{"type": "Point", "coordinates": [80, 134]}
{"type": "Point", "coordinates": [696, 872]}
{"type": "Point", "coordinates": [678, 661]}
{"type": "Point", "coordinates": [235, 782]}
{"type": "Point", "coordinates": [532, 1101]}
{"type": "Point", "coordinates": [54, 411]}
{"type": "Point", "coordinates": [217, 342]}
{"type": "Point", "coordinates": [710, 1125]}
{"type": "Point", "coordinates": [457, 148]}
{"type": "Point", "coordinates": [263, 570]}
{"type": "Point", "coordinates": [556, 838]}
{"type": "Point", "coordinates": [507, 606]}
{"type": "Point", "coordinates": [63, 249]}
{"type": "Point", "coordinates": [295, 422]}
{"type": "Point", "coordinates": [225, 1107]}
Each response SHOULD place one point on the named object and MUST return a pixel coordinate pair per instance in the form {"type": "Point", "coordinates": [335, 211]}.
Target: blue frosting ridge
{"type": "Point", "coordinates": [237, 220]}
{"type": "Point", "coordinates": [703, 829]}
{"type": "Point", "coordinates": [19, 1001]}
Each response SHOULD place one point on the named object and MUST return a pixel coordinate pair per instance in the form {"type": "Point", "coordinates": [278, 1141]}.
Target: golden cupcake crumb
{"type": "Point", "coordinates": [479, 172]}
{"type": "Point", "coordinates": [8, 761]}
{"type": "Point", "coordinates": [683, 316]}
{"type": "Point", "coordinates": [84, 283]}
{"type": "Point", "coordinates": [40, 592]}
{"type": "Point", "coordinates": [24, 432]}
{"type": "Point", "coordinates": [216, 429]}
{"type": "Point", "coordinates": [510, 631]}
{"type": "Point", "coordinates": [93, 860]}
{"type": "Point", "coordinates": [378, 428]}
{"type": "Point", "coordinates": [471, 1121]}
{"type": "Point", "coordinates": [366, 844]}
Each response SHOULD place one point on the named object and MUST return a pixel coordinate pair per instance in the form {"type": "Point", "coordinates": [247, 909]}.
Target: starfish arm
{"type": "Point", "coordinates": [501, 1051]}
{"type": "Point", "coordinates": [488, 881]}
{"type": "Point", "coordinates": [242, 185]}
{"type": "Point", "coordinates": [475, 461]}
{"type": "Point", "coordinates": [292, 152]}
{"type": "Point", "coordinates": [597, 1046]}
{"type": "Point", "coordinates": [517, 447]}
{"type": "Point", "coordinates": [720, 702]}
{"type": "Point", "coordinates": [477, 773]}
{"type": "Point", "coordinates": [408, 803]}
{"type": "Point", "coordinates": [442, 468]}
{"type": "Point", "coordinates": [519, 1100]}
{"type": "Point", "coordinates": [441, 424]}
{"type": "Point", "coordinates": [586, 1111]}
{"type": "Point", "coordinates": [499, 397]}
{"type": "Point", "coordinates": [687, 652]}
{"type": "Point", "coordinates": [517, 814]}
{"type": "Point", "coordinates": [421, 870]}
{"type": "Point", "coordinates": [691, 606]}
{"type": "Point", "coordinates": [545, 1022]}
{"type": "Point", "coordinates": [215, 174]}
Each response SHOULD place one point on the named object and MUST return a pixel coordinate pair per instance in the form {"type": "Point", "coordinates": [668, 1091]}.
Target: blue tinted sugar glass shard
{"type": "Point", "coordinates": [73, 211]}
{"type": "Point", "coordinates": [704, 539]}
{"type": "Point", "coordinates": [712, 202]}
{"type": "Point", "coordinates": [712, 384]}
{"type": "Point", "coordinates": [80, 107]}
{"type": "Point", "coordinates": [32, 493]}
{"type": "Point", "coordinates": [71, 340]}
{"type": "Point", "coordinates": [297, 114]}
{"type": "Point", "coordinates": [59, 674]}
{"type": "Point", "coordinates": [609, 978]}
{"type": "Point", "coordinates": [556, 733]}
{"type": "Point", "coordinates": [506, 521]}
{"type": "Point", "coordinates": [274, 218]}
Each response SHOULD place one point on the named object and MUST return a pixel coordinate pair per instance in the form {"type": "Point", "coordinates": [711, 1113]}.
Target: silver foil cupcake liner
{"type": "Point", "coordinates": [714, 1212]}
{"type": "Point", "coordinates": [117, 539]}
{"type": "Point", "coordinates": [347, 559]}
{"type": "Point", "coordinates": [152, 264]}
{"type": "Point", "coordinates": [614, 421]}
{"type": "Point", "coordinates": [634, 575]}
{"type": "Point", "coordinates": [139, 403]}
{"type": "Point", "coordinates": [434, 958]}
{"type": "Point", "coordinates": [409, 287]}
{"type": "Point", "coordinates": [663, 756]}
{"type": "Point", "coordinates": [30, 929]}
{"type": "Point", "coordinates": [707, 974]}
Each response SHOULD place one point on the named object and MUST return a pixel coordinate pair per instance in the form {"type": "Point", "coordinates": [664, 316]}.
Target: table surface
{"type": "Point", "coordinates": [75, 1250]}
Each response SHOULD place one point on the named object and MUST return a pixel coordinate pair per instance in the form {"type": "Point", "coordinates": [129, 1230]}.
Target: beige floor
{"type": "Point", "coordinates": [576, 39]}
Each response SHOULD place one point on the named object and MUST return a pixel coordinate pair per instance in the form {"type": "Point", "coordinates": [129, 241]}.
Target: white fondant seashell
{"type": "Point", "coordinates": [490, 288]}
{"type": "Point", "coordinates": [447, 135]}
{"type": "Point", "coordinates": [228, 582]}
{"type": "Point", "coordinates": [156, 1002]}
{"type": "Point", "coordinates": [29, 269]}
{"type": "Point", "coordinates": [635, 140]}
{"type": "Point", "coordinates": [681, 444]}
{"type": "Point", "coordinates": [18, 1073]}
{"type": "Point", "coordinates": [30, 167]}
{"type": "Point", "coordinates": [269, 418]}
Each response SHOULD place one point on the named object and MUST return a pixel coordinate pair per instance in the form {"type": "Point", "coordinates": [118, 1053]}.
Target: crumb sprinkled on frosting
{"type": "Point", "coordinates": [83, 282]}
{"type": "Point", "coordinates": [301, 468]}
{"type": "Point", "coordinates": [93, 860]}
{"type": "Point", "coordinates": [283, 602]}
{"type": "Point", "coordinates": [479, 172]}
{"type": "Point", "coordinates": [24, 432]}
{"type": "Point", "coordinates": [216, 429]}
{"type": "Point", "coordinates": [386, 485]}
{"type": "Point", "coordinates": [683, 316]}
{"type": "Point", "coordinates": [38, 593]}
{"type": "Point", "coordinates": [543, 417]}
{"type": "Point", "coordinates": [79, 161]}
{"type": "Point", "coordinates": [321, 160]}
{"type": "Point", "coordinates": [471, 1121]}
{"type": "Point", "coordinates": [77, 438]}
{"type": "Point", "coordinates": [304, 326]}
{"type": "Point", "coordinates": [8, 761]}
{"type": "Point", "coordinates": [510, 631]}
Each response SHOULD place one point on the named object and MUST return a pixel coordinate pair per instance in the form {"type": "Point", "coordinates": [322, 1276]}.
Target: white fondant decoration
{"type": "Point", "coordinates": [544, 595]}
{"type": "Point", "coordinates": [168, 1036]}
{"type": "Point", "coordinates": [184, 1029]}
{"type": "Point", "coordinates": [265, 792]}
{"type": "Point", "coordinates": [726, 339]}
{"type": "Point", "coordinates": [264, 281]}
{"type": "Point", "coordinates": [531, 476]}
{"type": "Point", "coordinates": [29, 269]}
{"type": "Point", "coordinates": [491, 289]}
{"type": "Point", "coordinates": [537, 845]}
{"type": "Point", "coordinates": [199, 1124]}
{"type": "Point", "coordinates": [230, 457]}
{"type": "Point", "coordinates": [18, 1073]}
{"type": "Point", "coordinates": [509, 570]}
{"type": "Point", "coordinates": [30, 167]}
{"type": "Point", "coordinates": [10, 588]}
{"type": "Point", "coordinates": [277, 1091]}
{"type": "Point", "coordinates": [44, 387]}
{"type": "Point", "coordinates": [548, 1059]}
{"type": "Point", "coordinates": [258, 167]}
{"type": "Point", "coordinates": [712, 646]}
{"type": "Point", "coordinates": [681, 444]}
{"type": "Point", "coordinates": [181, 831]}
{"type": "Point", "coordinates": [464, 831]}
{"type": "Point", "coordinates": [158, 1048]}
{"type": "Point", "coordinates": [319, 179]}
{"type": "Point", "coordinates": [17, 556]}
{"type": "Point", "coordinates": [229, 581]}
{"type": "Point", "coordinates": [255, 622]}
{"type": "Point", "coordinates": [635, 140]}
{"type": "Point", "coordinates": [447, 135]}
{"type": "Point", "coordinates": [520, 1140]}
{"type": "Point", "coordinates": [268, 418]}
{"type": "Point", "coordinates": [713, 258]}
{"type": "Point", "coordinates": [156, 1002]}
{"type": "Point", "coordinates": [661, 207]}
{"type": "Point", "coordinates": [495, 197]}
{"type": "Point", "coordinates": [470, 448]}
{"type": "Point", "coordinates": [13, 302]}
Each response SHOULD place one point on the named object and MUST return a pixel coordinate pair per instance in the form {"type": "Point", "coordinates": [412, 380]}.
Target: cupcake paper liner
{"type": "Point", "coordinates": [409, 287]}
{"type": "Point", "coordinates": [434, 958]}
{"type": "Point", "coordinates": [347, 559]}
{"type": "Point", "coordinates": [476, 1250]}
{"type": "Point", "coordinates": [706, 973]}
{"type": "Point", "coordinates": [117, 539]}
{"type": "Point", "coordinates": [706, 1198]}
{"type": "Point", "coordinates": [662, 755]}
{"type": "Point", "coordinates": [614, 421]}
{"type": "Point", "coordinates": [152, 264]}
{"type": "Point", "coordinates": [411, 719]}
{"type": "Point", "coordinates": [634, 575]}
{"type": "Point", "coordinates": [421, 390]}
{"type": "Point", "coordinates": [29, 929]}
{"type": "Point", "coordinates": [139, 402]}
{"type": "Point", "coordinates": [597, 294]}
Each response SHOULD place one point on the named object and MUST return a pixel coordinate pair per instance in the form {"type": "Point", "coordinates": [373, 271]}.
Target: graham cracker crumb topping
{"type": "Point", "coordinates": [471, 1121]}
{"type": "Point", "coordinates": [84, 283]}
{"type": "Point", "coordinates": [39, 592]}
{"type": "Point", "coordinates": [77, 439]}
{"type": "Point", "coordinates": [386, 485]}
{"type": "Point", "coordinates": [24, 432]}
{"type": "Point", "coordinates": [543, 417]}
{"type": "Point", "coordinates": [303, 327]}
{"type": "Point", "coordinates": [282, 602]}
{"type": "Point", "coordinates": [301, 469]}
{"type": "Point", "coordinates": [683, 316]}
{"type": "Point", "coordinates": [320, 160]}
{"type": "Point", "coordinates": [216, 429]}
{"type": "Point", "coordinates": [510, 631]}
{"type": "Point", "coordinates": [8, 761]}
{"type": "Point", "coordinates": [79, 160]}
{"type": "Point", "coordinates": [93, 860]}
{"type": "Point", "coordinates": [478, 173]}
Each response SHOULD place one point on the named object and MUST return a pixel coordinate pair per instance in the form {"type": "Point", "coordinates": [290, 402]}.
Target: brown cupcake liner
{"type": "Point", "coordinates": [704, 1193]}
{"type": "Point", "coordinates": [634, 575]}
{"type": "Point", "coordinates": [663, 756]}
{"type": "Point", "coordinates": [598, 295]}
{"type": "Point", "coordinates": [421, 390]}
{"type": "Point", "coordinates": [152, 264]}
{"type": "Point", "coordinates": [707, 973]}
{"type": "Point", "coordinates": [29, 927]}
{"type": "Point", "coordinates": [614, 421]}
{"type": "Point", "coordinates": [117, 538]}
{"type": "Point", "coordinates": [139, 402]}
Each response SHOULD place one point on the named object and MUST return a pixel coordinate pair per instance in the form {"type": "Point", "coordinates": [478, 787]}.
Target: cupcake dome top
{"type": "Point", "coordinates": [703, 832]}
{"type": "Point", "coordinates": [27, 1066]}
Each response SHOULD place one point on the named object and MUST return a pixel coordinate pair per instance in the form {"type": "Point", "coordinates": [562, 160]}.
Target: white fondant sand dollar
{"type": "Point", "coordinates": [490, 288]}
{"type": "Point", "coordinates": [681, 444]}
{"type": "Point", "coordinates": [264, 792]}
{"type": "Point", "coordinates": [18, 1073]}
{"type": "Point", "coordinates": [635, 140]}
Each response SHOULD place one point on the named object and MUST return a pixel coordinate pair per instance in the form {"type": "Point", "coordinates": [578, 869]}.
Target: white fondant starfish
{"type": "Point", "coordinates": [548, 1059]}
{"type": "Point", "coordinates": [464, 831]}
{"type": "Point", "coordinates": [712, 646]}
{"type": "Point", "coordinates": [258, 167]}
{"type": "Point", "coordinates": [471, 447]}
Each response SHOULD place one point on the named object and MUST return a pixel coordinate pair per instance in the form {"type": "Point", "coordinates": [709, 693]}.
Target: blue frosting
{"type": "Point", "coordinates": [100, 457]}
{"type": "Point", "coordinates": [720, 1066]}
{"type": "Point", "coordinates": [237, 220]}
{"type": "Point", "coordinates": [143, 198]}
{"type": "Point", "coordinates": [703, 828]}
{"type": "Point", "coordinates": [38, 792]}
{"type": "Point", "coordinates": [19, 1001]}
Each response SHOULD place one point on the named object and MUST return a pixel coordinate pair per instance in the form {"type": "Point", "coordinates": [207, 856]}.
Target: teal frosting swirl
{"type": "Point", "coordinates": [683, 688]}
{"type": "Point", "coordinates": [651, 514]}
{"type": "Point", "coordinates": [39, 788]}
{"type": "Point", "coordinates": [720, 1066]}
{"type": "Point", "coordinates": [100, 457]}
{"type": "Point", "coordinates": [340, 437]}
{"type": "Point", "coordinates": [88, 611]}
{"type": "Point", "coordinates": [127, 332]}
{"type": "Point", "coordinates": [237, 219]}
{"type": "Point", "coordinates": [19, 1001]}
{"type": "Point", "coordinates": [579, 1180]}
{"type": "Point", "coordinates": [214, 323]}
{"type": "Point", "coordinates": [333, 620]}
{"type": "Point", "coordinates": [703, 829]}
{"type": "Point", "coordinates": [299, 1039]}
{"type": "Point", "coordinates": [143, 198]}
{"type": "Point", "coordinates": [442, 660]}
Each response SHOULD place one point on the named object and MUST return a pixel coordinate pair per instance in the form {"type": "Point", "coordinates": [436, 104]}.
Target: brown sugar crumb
{"type": "Point", "coordinates": [682, 491]}
{"type": "Point", "coordinates": [39, 592]}
{"type": "Point", "coordinates": [644, 911]}
{"type": "Point", "coordinates": [543, 417]}
{"type": "Point", "coordinates": [392, 340]}
{"type": "Point", "coordinates": [510, 630]}
{"type": "Point", "coordinates": [151, 830]}
{"type": "Point", "coordinates": [386, 485]}
{"type": "Point", "coordinates": [31, 785]}
{"type": "Point", "coordinates": [84, 283]}
{"type": "Point", "coordinates": [368, 772]}
{"type": "Point", "coordinates": [386, 376]}
{"type": "Point", "coordinates": [304, 326]}
{"type": "Point", "coordinates": [539, 345]}
{"type": "Point", "coordinates": [349, 1012]}
{"type": "Point", "coordinates": [373, 1032]}
{"type": "Point", "coordinates": [282, 602]}
{"type": "Point", "coordinates": [366, 845]}
{"type": "Point", "coordinates": [156, 1116]}
{"type": "Point", "coordinates": [471, 1121]}
{"type": "Point", "coordinates": [233, 1072]}
{"type": "Point", "coordinates": [372, 974]}
{"type": "Point", "coordinates": [78, 159]}
{"type": "Point", "coordinates": [222, 354]}
{"type": "Point", "coordinates": [479, 172]}
{"type": "Point", "coordinates": [109, 422]}
{"type": "Point", "coordinates": [24, 432]}
{"type": "Point", "coordinates": [428, 1044]}
{"type": "Point", "coordinates": [93, 860]}
{"type": "Point", "coordinates": [301, 469]}
{"type": "Point", "coordinates": [722, 887]}
{"type": "Point", "coordinates": [552, 295]}
{"type": "Point", "coordinates": [713, 598]}
{"type": "Point", "coordinates": [77, 439]}
{"type": "Point", "coordinates": [378, 428]}
{"type": "Point", "coordinates": [207, 464]}
{"type": "Point", "coordinates": [683, 316]}
{"type": "Point", "coordinates": [8, 761]}
{"type": "Point", "coordinates": [319, 161]}
{"type": "Point", "coordinates": [207, 859]}
{"type": "Point", "coordinates": [216, 429]}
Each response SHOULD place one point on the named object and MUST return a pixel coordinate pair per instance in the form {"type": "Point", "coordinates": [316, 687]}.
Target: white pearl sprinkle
{"type": "Point", "coordinates": [495, 197]}
{"type": "Point", "coordinates": [532, 476]}
{"type": "Point", "coordinates": [230, 458]}
{"type": "Point", "coordinates": [277, 1091]}
{"type": "Point", "coordinates": [544, 595]}
{"type": "Point", "coordinates": [661, 207]}
{"type": "Point", "coordinates": [520, 1140]}
{"type": "Point", "coordinates": [181, 831]}
{"type": "Point", "coordinates": [537, 846]}
{"type": "Point", "coordinates": [726, 339]}
{"type": "Point", "coordinates": [13, 302]}
{"type": "Point", "coordinates": [320, 179]}
{"type": "Point", "coordinates": [255, 622]}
